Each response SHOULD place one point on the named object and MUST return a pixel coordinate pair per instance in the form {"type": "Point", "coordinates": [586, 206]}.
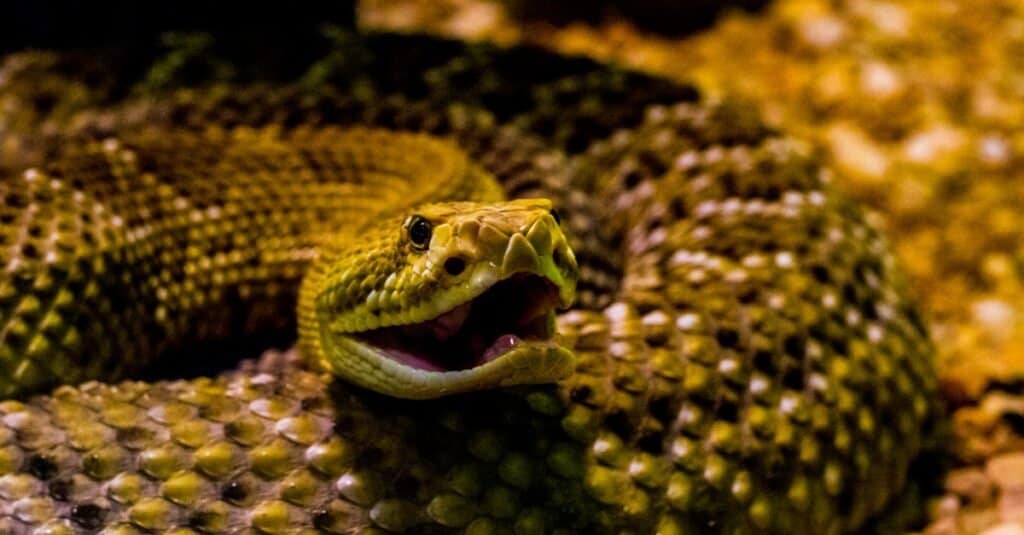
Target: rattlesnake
{"type": "Point", "coordinates": [746, 356]}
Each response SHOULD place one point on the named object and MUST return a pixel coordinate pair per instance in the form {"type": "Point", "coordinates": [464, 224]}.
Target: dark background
{"type": "Point", "coordinates": [76, 24]}
{"type": "Point", "coordinates": [83, 24]}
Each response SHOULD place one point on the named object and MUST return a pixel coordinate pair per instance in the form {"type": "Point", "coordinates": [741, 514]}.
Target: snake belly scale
{"type": "Point", "coordinates": [746, 356]}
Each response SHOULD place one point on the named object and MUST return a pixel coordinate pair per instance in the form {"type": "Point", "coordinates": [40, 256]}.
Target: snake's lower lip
{"type": "Point", "coordinates": [514, 311]}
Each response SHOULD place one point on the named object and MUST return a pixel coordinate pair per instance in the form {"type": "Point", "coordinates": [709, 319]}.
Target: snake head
{"type": "Point", "coordinates": [449, 298]}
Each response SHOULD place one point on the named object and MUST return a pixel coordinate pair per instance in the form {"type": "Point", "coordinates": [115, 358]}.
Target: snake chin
{"type": "Point", "coordinates": [513, 313]}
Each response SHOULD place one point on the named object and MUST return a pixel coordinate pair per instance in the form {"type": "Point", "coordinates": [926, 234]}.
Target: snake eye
{"type": "Point", "coordinates": [558, 218]}
{"type": "Point", "coordinates": [419, 231]}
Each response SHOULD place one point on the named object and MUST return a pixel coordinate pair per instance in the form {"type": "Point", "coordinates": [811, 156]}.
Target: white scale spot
{"type": "Point", "coordinates": [879, 79]}
{"type": "Point", "coordinates": [686, 160]}
{"type": "Point", "coordinates": [736, 276]}
{"type": "Point", "coordinates": [656, 114]}
{"type": "Point", "coordinates": [687, 415]}
{"type": "Point", "coordinates": [731, 206]}
{"type": "Point", "coordinates": [658, 236]}
{"type": "Point", "coordinates": [617, 311]}
{"type": "Point", "coordinates": [636, 468]}
{"type": "Point", "coordinates": [645, 190]}
{"type": "Point", "coordinates": [262, 405]}
{"type": "Point", "coordinates": [679, 258]}
{"type": "Point", "coordinates": [680, 449]}
{"type": "Point", "coordinates": [700, 182]}
{"type": "Point", "coordinates": [785, 260]}
{"type": "Point", "coordinates": [701, 233]}
{"type": "Point", "coordinates": [836, 234]}
{"type": "Point", "coordinates": [618, 350]}
{"type": "Point", "coordinates": [994, 150]}
{"type": "Point", "coordinates": [697, 276]}
{"type": "Point", "coordinates": [688, 321]}
{"type": "Point", "coordinates": [755, 207]}
{"type": "Point", "coordinates": [602, 446]}
{"type": "Point", "coordinates": [753, 261]}
{"type": "Point", "coordinates": [875, 333]}
{"type": "Point", "coordinates": [995, 315]}
{"type": "Point", "coordinates": [714, 154]}
{"type": "Point", "coordinates": [788, 404]}
{"type": "Point", "coordinates": [706, 209]}
{"type": "Point", "coordinates": [789, 212]}
{"type": "Point", "coordinates": [656, 318]}
{"type": "Point", "coordinates": [759, 385]}
{"type": "Point", "coordinates": [822, 31]}
{"type": "Point", "coordinates": [792, 198]}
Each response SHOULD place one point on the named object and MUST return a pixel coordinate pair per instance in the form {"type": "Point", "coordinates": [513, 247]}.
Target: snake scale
{"type": "Point", "coordinates": [747, 359]}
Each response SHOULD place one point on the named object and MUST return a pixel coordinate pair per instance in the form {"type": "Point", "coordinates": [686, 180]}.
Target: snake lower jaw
{"type": "Point", "coordinates": [524, 362]}
{"type": "Point", "coordinates": [504, 336]}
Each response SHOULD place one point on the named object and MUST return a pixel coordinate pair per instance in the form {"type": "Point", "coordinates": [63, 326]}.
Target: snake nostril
{"type": "Point", "coordinates": [454, 265]}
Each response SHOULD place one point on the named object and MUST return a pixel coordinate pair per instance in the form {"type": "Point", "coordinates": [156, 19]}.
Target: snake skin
{"type": "Point", "coordinates": [748, 358]}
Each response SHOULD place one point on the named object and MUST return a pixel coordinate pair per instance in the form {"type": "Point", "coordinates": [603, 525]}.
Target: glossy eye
{"type": "Point", "coordinates": [419, 231]}
{"type": "Point", "coordinates": [558, 218]}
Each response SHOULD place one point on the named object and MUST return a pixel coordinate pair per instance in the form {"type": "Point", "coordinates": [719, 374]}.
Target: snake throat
{"type": "Point", "coordinates": [513, 311]}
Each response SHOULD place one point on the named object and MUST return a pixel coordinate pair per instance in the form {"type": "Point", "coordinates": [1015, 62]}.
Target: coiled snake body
{"type": "Point", "coordinates": [746, 359]}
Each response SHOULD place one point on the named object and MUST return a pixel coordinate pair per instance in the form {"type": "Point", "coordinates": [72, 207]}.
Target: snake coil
{"type": "Point", "coordinates": [747, 358]}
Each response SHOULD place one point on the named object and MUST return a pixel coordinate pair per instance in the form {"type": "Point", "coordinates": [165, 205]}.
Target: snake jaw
{"type": "Point", "coordinates": [513, 311]}
{"type": "Point", "coordinates": [484, 342]}
{"type": "Point", "coordinates": [489, 323]}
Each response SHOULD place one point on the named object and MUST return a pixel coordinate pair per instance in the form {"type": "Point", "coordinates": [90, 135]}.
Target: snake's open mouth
{"type": "Point", "coordinates": [513, 311]}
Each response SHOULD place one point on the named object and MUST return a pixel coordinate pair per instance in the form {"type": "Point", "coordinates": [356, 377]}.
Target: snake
{"type": "Point", "coordinates": [532, 294]}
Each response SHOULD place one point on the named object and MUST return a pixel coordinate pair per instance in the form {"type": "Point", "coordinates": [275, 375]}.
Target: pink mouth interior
{"type": "Point", "coordinates": [476, 332]}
